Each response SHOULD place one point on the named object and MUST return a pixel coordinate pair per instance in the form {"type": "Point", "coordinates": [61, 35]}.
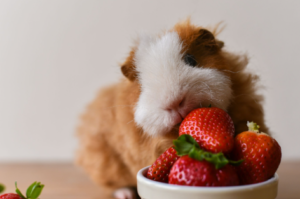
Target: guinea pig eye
{"type": "Point", "coordinates": [190, 60]}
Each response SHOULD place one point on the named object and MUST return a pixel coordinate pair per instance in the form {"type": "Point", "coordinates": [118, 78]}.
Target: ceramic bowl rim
{"type": "Point", "coordinates": [165, 186]}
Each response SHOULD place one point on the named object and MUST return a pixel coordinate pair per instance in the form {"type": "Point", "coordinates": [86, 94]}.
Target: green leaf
{"type": "Point", "coordinates": [29, 189]}
{"type": "Point", "coordinates": [2, 188]}
{"type": "Point", "coordinates": [220, 160]}
{"type": "Point", "coordinates": [187, 145]}
{"type": "Point", "coordinates": [184, 144]}
{"type": "Point", "coordinates": [196, 154]}
{"type": "Point", "coordinates": [236, 163]}
{"type": "Point", "coordinates": [182, 147]}
{"type": "Point", "coordinates": [18, 191]}
{"type": "Point", "coordinates": [190, 139]}
{"type": "Point", "coordinates": [35, 190]}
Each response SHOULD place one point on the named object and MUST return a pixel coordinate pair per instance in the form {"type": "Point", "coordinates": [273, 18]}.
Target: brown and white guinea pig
{"type": "Point", "coordinates": [129, 124]}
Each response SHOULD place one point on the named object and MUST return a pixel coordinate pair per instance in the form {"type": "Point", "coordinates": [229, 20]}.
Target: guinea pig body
{"type": "Point", "coordinates": [129, 124]}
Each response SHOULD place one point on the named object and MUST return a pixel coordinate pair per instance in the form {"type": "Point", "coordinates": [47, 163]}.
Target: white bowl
{"type": "Point", "coordinates": [149, 189]}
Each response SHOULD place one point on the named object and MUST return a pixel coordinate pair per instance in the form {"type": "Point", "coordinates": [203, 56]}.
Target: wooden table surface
{"type": "Point", "coordinates": [66, 181]}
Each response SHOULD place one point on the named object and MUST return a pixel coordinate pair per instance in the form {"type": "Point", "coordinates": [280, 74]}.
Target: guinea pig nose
{"type": "Point", "coordinates": [177, 118]}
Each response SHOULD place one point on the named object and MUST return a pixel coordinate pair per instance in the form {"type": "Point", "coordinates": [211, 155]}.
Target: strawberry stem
{"type": "Point", "coordinates": [253, 127]}
{"type": "Point", "coordinates": [18, 191]}
{"type": "Point", "coordinates": [187, 145]}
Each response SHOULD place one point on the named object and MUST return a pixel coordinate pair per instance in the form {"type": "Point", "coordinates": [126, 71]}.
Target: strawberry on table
{"type": "Point", "coordinates": [160, 169]}
{"type": "Point", "coordinates": [211, 127]}
{"type": "Point", "coordinates": [197, 167]}
{"type": "Point", "coordinates": [261, 154]}
{"type": "Point", "coordinates": [33, 192]}
{"type": "Point", "coordinates": [10, 196]}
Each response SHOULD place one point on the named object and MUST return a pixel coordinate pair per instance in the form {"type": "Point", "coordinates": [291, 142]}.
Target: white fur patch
{"type": "Point", "coordinates": [170, 87]}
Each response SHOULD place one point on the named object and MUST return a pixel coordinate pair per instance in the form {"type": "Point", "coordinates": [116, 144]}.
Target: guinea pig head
{"type": "Point", "coordinates": [177, 71]}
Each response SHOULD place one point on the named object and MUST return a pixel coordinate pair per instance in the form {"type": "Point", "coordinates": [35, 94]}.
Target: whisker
{"type": "Point", "coordinates": [130, 121]}
{"type": "Point", "coordinates": [230, 71]}
{"type": "Point", "coordinates": [210, 91]}
{"type": "Point", "coordinates": [118, 106]}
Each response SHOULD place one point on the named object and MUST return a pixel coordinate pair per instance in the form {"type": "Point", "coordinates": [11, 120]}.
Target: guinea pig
{"type": "Point", "coordinates": [129, 124]}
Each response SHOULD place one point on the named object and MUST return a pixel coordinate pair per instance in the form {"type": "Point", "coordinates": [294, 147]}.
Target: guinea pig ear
{"type": "Point", "coordinates": [207, 41]}
{"type": "Point", "coordinates": [128, 68]}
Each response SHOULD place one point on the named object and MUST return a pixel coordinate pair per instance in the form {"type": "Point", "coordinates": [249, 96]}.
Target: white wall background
{"type": "Point", "coordinates": [54, 55]}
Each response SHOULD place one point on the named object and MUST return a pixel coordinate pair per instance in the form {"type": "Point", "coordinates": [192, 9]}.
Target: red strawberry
{"type": "Point", "coordinates": [10, 196]}
{"type": "Point", "coordinates": [33, 192]}
{"type": "Point", "coordinates": [261, 154]}
{"type": "Point", "coordinates": [160, 169]}
{"type": "Point", "coordinates": [201, 168]}
{"type": "Point", "coordinates": [212, 128]}
{"type": "Point", "coordinates": [191, 172]}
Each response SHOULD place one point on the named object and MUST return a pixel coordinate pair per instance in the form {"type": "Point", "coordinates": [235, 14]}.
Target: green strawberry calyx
{"type": "Point", "coordinates": [32, 192]}
{"type": "Point", "coordinates": [187, 145]}
{"type": "Point", "coordinates": [253, 127]}
{"type": "Point", "coordinates": [2, 188]}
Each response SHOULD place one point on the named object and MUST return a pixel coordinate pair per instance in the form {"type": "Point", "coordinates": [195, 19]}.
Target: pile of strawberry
{"type": "Point", "coordinates": [200, 156]}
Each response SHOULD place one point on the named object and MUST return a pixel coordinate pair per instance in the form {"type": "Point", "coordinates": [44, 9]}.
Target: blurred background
{"type": "Point", "coordinates": [55, 55]}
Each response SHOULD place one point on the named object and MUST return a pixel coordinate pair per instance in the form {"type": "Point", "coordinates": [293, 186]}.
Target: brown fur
{"type": "Point", "coordinates": [112, 148]}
